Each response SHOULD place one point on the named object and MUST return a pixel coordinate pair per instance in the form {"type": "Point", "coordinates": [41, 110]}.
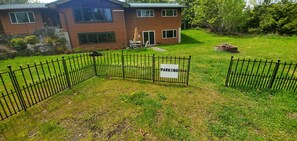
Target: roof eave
{"type": "Point", "coordinates": [55, 4]}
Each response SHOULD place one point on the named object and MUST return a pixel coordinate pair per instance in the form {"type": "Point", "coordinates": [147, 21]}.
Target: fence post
{"type": "Point", "coordinates": [229, 71]}
{"type": "Point", "coordinates": [188, 73]}
{"type": "Point", "coordinates": [153, 68]}
{"type": "Point", "coordinates": [94, 60]}
{"type": "Point", "coordinates": [274, 74]}
{"type": "Point", "coordinates": [16, 88]}
{"type": "Point", "coordinates": [66, 72]}
{"type": "Point", "coordinates": [123, 65]}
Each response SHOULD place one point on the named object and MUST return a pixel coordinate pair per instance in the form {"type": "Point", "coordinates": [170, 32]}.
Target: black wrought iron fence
{"type": "Point", "coordinates": [23, 87]}
{"type": "Point", "coordinates": [142, 66]}
{"type": "Point", "coordinates": [262, 74]}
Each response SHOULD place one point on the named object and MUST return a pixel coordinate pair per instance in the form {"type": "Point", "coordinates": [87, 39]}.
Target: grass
{"type": "Point", "coordinates": [115, 109]}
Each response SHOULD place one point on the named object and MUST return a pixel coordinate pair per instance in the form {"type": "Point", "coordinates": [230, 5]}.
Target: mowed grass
{"type": "Point", "coordinates": [115, 109]}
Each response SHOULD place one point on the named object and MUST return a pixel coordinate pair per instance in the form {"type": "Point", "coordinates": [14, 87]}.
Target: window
{"type": "Point", "coordinates": [169, 12]}
{"type": "Point", "coordinates": [93, 15]}
{"type": "Point", "coordinates": [145, 13]}
{"type": "Point", "coordinates": [22, 17]}
{"type": "Point", "coordinates": [95, 38]}
{"type": "Point", "coordinates": [169, 33]}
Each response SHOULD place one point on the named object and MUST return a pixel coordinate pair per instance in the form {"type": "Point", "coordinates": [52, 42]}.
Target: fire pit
{"type": "Point", "coordinates": [227, 47]}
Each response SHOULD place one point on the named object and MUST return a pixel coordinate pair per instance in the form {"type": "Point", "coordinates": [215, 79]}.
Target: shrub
{"type": "Point", "coordinates": [25, 52]}
{"type": "Point", "coordinates": [45, 31]}
{"type": "Point", "coordinates": [3, 56]}
{"type": "Point", "coordinates": [58, 45]}
{"type": "Point", "coordinates": [32, 39]}
{"type": "Point", "coordinates": [254, 30]}
{"type": "Point", "coordinates": [4, 39]}
{"type": "Point", "coordinates": [55, 41]}
{"type": "Point", "coordinates": [18, 44]}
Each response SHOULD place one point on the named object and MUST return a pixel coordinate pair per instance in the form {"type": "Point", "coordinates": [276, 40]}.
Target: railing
{"type": "Point", "coordinates": [24, 87]}
{"type": "Point", "coordinates": [139, 66]}
{"type": "Point", "coordinates": [262, 74]}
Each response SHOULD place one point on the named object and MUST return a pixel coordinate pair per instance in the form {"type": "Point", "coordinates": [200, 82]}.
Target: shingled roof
{"type": "Point", "coordinates": [23, 6]}
{"type": "Point", "coordinates": [156, 5]}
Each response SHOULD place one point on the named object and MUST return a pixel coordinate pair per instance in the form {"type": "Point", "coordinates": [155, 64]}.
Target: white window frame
{"type": "Point", "coordinates": [27, 13]}
{"type": "Point", "coordinates": [166, 12]}
{"type": "Point", "coordinates": [166, 33]}
{"type": "Point", "coordinates": [142, 16]}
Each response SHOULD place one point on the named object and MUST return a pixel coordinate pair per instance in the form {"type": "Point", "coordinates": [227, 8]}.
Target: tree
{"type": "Point", "coordinates": [34, 1]}
{"type": "Point", "coordinates": [267, 2]}
{"type": "Point", "coordinates": [219, 15]}
{"type": "Point", "coordinates": [274, 18]}
{"type": "Point", "coordinates": [13, 1]}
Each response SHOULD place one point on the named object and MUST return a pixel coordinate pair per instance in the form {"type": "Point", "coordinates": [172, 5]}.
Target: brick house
{"type": "Point", "coordinates": [110, 24]}
{"type": "Point", "coordinates": [25, 18]}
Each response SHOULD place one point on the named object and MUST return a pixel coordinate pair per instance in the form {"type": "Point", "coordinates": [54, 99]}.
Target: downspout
{"type": "Point", "coordinates": [67, 28]}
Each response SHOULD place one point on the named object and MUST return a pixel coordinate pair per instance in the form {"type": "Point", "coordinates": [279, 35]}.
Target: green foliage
{"type": "Point", "coordinates": [274, 18]}
{"type": "Point", "coordinates": [49, 127]}
{"type": "Point", "coordinates": [45, 31]}
{"type": "Point", "coordinates": [220, 16]}
{"type": "Point", "coordinates": [18, 43]}
{"type": "Point", "coordinates": [228, 121]}
{"type": "Point", "coordinates": [162, 96]}
{"type": "Point", "coordinates": [229, 16]}
{"type": "Point", "coordinates": [152, 109]}
{"type": "Point", "coordinates": [57, 44]}
{"type": "Point", "coordinates": [32, 39]}
{"type": "Point", "coordinates": [205, 110]}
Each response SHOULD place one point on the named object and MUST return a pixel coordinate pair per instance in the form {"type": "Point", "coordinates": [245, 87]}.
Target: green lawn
{"type": "Point", "coordinates": [116, 109]}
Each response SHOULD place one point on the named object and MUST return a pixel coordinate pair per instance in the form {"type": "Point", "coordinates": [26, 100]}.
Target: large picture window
{"type": "Point", "coordinates": [169, 33]}
{"type": "Point", "coordinates": [96, 38]}
{"type": "Point", "coordinates": [22, 17]}
{"type": "Point", "coordinates": [145, 13]}
{"type": "Point", "coordinates": [169, 12]}
{"type": "Point", "coordinates": [93, 15]}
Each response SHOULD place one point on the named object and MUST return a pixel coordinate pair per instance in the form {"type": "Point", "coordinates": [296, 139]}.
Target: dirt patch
{"type": "Point", "coordinates": [292, 115]}
{"type": "Point", "coordinates": [227, 48]}
{"type": "Point", "coordinates": [118, 128]}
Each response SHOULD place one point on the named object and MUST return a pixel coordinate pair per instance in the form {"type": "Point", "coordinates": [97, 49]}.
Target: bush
{"type": "Point", "coordinates": [58, 45]}
{"type": "Point", "coordinates": [18, 44]}
{"type": "Point", "coordinates": [32, 39]}
{"type": "Point", "coordinates": [55, 41]}
{"type": "Point", "coordinates": [4, 39]}
{"type": "Point", "coordinates": [3, 56]}
{"type": "Point", "coordinates": [254, 30]}
{"type": "Point", "coordinates": [45, 31]}
{"type": "Point", "coordinates": [25, 52]}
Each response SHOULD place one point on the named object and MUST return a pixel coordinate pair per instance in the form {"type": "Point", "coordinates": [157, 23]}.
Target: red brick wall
{"type": "Point", "coordinates": [156, 23]}
{"type": "Point", "coordinates": [10, 28]}
{"type": "Point", "coordinates": [117, 25]}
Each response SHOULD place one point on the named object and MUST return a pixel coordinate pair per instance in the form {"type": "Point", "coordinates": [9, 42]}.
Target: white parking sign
{"type": "Point", "coordinates": [169, 70]}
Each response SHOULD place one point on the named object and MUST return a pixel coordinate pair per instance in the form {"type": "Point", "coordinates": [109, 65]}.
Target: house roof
{"type": "Point", "coordinates": [58, 2]}
{"type": "Point", "coordinates": [126, 5]}
{"type": "Point", "coordinates": [22, 6]}
{"type": "Point", "coordinates": [156, 5]}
